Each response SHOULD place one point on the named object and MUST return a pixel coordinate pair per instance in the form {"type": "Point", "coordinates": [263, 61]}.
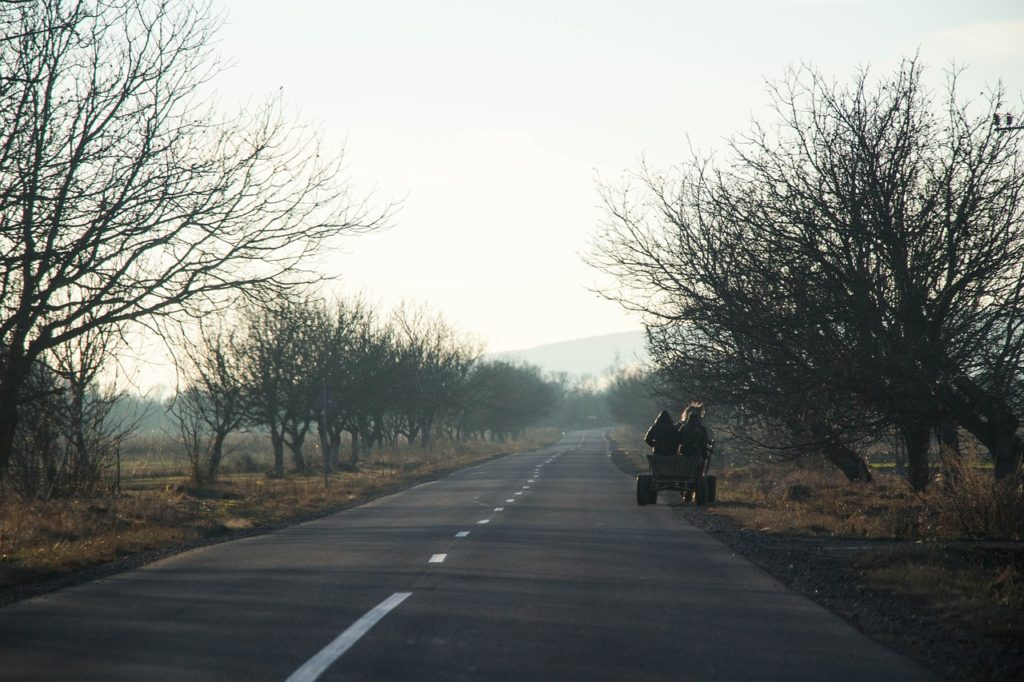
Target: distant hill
{"type": "Point", "coordinates": [593, 355]}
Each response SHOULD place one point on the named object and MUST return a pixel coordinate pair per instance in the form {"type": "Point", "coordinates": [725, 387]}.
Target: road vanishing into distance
{"type": "Point", "coordinates": [534, 566]}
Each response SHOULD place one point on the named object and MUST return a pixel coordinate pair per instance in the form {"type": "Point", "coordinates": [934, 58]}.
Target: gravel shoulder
{"type": "Point", "coordinates": [823, 569]}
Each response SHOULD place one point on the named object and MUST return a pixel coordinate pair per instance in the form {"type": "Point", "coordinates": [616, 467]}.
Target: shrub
{"type": "Point", "coordinates": [970, 503]}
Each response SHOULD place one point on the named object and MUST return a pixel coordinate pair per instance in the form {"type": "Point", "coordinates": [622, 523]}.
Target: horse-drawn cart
{"type": "Point", "coordinates": [688, 475]}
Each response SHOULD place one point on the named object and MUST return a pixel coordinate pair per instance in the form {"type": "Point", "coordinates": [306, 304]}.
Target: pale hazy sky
{"type": "Point", "coordinates": [494, 120]}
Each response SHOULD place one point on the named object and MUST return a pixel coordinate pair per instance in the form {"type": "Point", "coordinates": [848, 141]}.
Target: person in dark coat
{"type": "Point", "coordinates": [694, 437]}
{"type": "Point", "coordinates": [663, 435]}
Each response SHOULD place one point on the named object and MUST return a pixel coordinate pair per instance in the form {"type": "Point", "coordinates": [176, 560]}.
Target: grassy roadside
{"type": "Point", "coordinates": [958, 552]}
{"type": "Point", "coordinates": [46, 539]}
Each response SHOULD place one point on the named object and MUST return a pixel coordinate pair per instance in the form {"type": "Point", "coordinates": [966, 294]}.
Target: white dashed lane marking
{"type": "Point", "coordinates": [483, 521]}
{"type": "Point", "coordinates": [437, 558]}
{"type": "Point", "coordinates": [497, 509]}
{"type": "Point", "coordinates": [314, 667]}
{"type": "Point", "coordinates": [462, 534]}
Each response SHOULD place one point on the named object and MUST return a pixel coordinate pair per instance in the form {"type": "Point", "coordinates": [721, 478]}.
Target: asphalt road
{"type": "Point", "coordinates": [560, 577]}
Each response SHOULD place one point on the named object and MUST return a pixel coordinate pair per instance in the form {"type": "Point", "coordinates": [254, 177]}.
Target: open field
{"type": "Point", "coordinates": [156, 509]}
{"type": "Point", "coordinates": [958, 551]}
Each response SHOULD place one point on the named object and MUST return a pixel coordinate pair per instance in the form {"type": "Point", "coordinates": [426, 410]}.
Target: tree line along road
{"type": "Point", "coordinates": [535, 566]}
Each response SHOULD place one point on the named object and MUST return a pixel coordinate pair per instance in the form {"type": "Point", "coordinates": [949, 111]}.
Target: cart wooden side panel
{"type": "Point", "coordinates": [675, 467]}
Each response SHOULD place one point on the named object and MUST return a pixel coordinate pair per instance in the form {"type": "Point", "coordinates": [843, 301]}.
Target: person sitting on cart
{"type": "Point", "coordinates": [663, 435]}
{"type": "Point", "coordinates": [695, 438]}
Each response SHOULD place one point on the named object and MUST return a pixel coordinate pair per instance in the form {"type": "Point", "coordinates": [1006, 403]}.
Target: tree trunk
{"type": "Point", "coordinates": [11, 381]}
{"type": "Point", "coordinates": [851, 463]}
{"type": "Point", "coordinates": [325, 446]}
{"type": "Point", "coordinates": [216, 454]}
{"type": "Point", "coordinates": [334, 443]}
{"type": "Point", "coordinates": [353, 453]}
{"type": "Point", "coordinates": [916, 437]}
{"type": "Point", "coordinates": [8, 427]}
{"type": "Point", "coordinates": [990, 420]}
{"type": "Point", "coordinates": [378, 431]}
{"type": "Point", "coordinates": [277, 442]}
{"type": "Point", "coordinates": [948, 437]}
{"type": "Point", "coordinates": [425, 442]}
{"type": "Point", "coordinates": [297, 458]}
{"type": "Point", "coordinates": [1007, 450]}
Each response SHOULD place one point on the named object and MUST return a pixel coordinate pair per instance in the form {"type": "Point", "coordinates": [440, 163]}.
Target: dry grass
{"type": "Point", "coordinates": [817, 502]}
{"type": "Point", "coordinates": [793, 501]}
{"type": "Point", "coordinates": [157, 510]}
{"type": "Point", "coordinates": [982, 586]}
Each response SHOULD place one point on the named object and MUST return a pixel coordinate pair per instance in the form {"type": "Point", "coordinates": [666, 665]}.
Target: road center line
{"type": "Point", "coordinates": [315, 666]}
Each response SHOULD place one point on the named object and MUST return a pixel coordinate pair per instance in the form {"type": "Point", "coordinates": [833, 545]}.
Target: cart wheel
{"type": "Point", "coordinates": [652, 491]}
{"type": "Point", "coordinates": [712, 488]}
{"type": "Point", "coordinates": [643, 484]}
{"type": "Point", "coordinates": [702, 490]}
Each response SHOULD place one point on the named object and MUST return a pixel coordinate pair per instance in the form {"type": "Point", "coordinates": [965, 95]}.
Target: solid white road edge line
{"type": "Point", "coordinates": [315, 666]}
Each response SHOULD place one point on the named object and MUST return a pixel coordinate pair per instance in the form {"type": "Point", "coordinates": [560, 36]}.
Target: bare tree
{"type": "Point", "coordinates": [435, 361]}
{"type": "Point", "coordinates": [283, 372]}
{"type": "Point", "coordinates": [125, 198]}
{"type": "Point", "coordinates": [633, 398]}
{"type": "Point", "coordinates": [189, 413]}
{"type": "Point", "coordinates": [94, 429]}
{"type": "Point", "coordinates": [504, 398]}
{"type": "Point", "coordinates": [38, 449]}
{"type": "Point", "coordinates": [362, 368]}
{"type": "Point", "coordinates": [71, 426]}
{"type": "Point", "coordinates": [213, 403]}
{"type": "Point", "coordinates": [863, 257]}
